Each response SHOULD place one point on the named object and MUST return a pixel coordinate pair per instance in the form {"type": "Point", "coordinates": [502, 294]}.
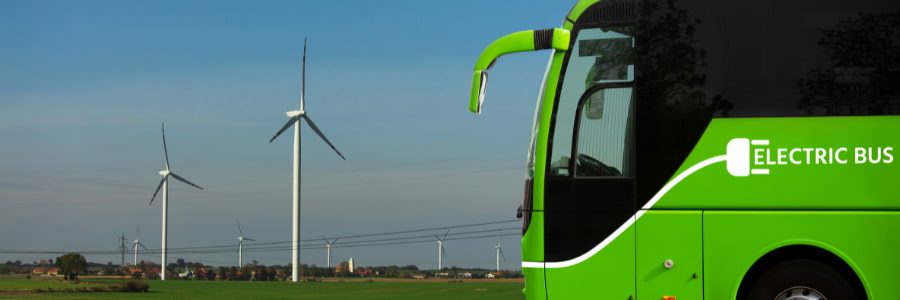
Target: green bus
{"type": "Point", "coordinates": [701, 149]}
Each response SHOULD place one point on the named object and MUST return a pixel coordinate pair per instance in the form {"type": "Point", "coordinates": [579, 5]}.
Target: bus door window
{"type": "Point", "coordinates": [604, 133]}
{"type": "Point", "coordinates": [600, 57]}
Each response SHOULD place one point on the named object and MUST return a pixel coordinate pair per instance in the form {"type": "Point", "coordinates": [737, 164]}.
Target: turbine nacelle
{"type": "Point", "coordinates": [164, 172]}
{"type": "Point", "coordinates": [295, 113]}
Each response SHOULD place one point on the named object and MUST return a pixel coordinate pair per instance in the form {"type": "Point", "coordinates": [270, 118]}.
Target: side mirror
{"type": "Point", "coordinates": [479, 84]}
{"type": "Point", "coordinates": [529, 40]}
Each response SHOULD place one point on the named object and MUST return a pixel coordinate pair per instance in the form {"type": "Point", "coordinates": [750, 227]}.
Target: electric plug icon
{"type": "Point", "coordinates": [737, 157]}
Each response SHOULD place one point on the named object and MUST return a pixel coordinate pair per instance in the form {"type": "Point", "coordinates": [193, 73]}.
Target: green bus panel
{"type": "Point", "coordinates": [866, 241]}
{"type": "Point", "coordinates": [534, 283]}
{"type": "Point", "coordinates": [675, 237]}
{"type": "Point", "coordinates": [533, 238]}
{"type": "Point", "coordinates": [812, 163]}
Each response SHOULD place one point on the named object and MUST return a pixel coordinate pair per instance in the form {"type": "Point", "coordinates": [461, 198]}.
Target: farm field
{"type": "Point", "coordinates": [329, 289]}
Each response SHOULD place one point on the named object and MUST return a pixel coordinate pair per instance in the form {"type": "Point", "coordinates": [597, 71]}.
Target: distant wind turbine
{"type": "Point", "coordinates": [164, 186]}
{"type": "Point", "coordinates": [440, 241]}
{"type": "Point", "coordinates": [137, 243]}
{"type": "Point", "coordinates": [328, 245]}
{"type": "Point", "coordinates": [241, 240]}
{"type": "Point", "coordinates": [295, 117]}
{"type": "Point", "coordinates": [499, 253]}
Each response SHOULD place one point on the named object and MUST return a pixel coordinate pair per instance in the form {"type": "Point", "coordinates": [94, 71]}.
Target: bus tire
{"type": "Point", "coordinates": [803, 279]}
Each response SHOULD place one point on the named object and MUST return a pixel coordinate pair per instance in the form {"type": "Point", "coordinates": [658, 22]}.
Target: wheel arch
{"type": "Point", "coordinates": [798, 251]}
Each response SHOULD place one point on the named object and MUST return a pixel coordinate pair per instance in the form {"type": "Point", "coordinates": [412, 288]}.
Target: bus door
{"type": "Point", "coordinates": [589, 197]}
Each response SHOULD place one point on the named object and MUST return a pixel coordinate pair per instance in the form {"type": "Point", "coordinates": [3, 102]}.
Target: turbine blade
{"type": "Point", "coordinates": [316, 129]}
{"type": "Point", "coordinates": [165, 149]}
{"type": "Point", "coordinates": [239, 227]}
{"type": "Point", "coordinates": [287, 125]}
{"type": "Point", "coordinates": [249, 239]}
{"type": "Point", "coordinates": [303, 77]}
{"type": "Point", "coordinates": [185, 180]}
{"type": "Point", "coordinates": [158, 187]}
{"type": "Point", "coordinates": [501, 254]}
{"type": "Point", "coordinates": [445, 235]}
{"type": "Point", "coordinates": [443, 251]}
{"type": "Point", "coordinates": [142, 245]}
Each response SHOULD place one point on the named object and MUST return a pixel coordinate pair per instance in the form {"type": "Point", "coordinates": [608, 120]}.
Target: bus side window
{"type": "Point", "coordinates": [604, 133]}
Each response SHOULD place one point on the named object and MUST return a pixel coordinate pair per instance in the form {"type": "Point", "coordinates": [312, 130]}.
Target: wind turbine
{"type": "Point", "coordinates": [137, 243]}
{"type": "Point", "coordinates": [499, 253]}
{"type": "Point", "coordinates": [241, 240]}
{"type": "Point", "coordinates": [440, 241]}
{"type": "Point", "coordinates": [164, 186]}
{"type": "Point", "coordinates": [295, 117]}
{"type": "Point", "coordinates": [328, 245]}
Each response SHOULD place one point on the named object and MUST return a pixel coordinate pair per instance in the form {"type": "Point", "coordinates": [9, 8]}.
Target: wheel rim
{"type": "Point", "coordinates": [800, 293]}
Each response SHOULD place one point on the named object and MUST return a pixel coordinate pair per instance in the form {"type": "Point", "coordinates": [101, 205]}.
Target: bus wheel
{"type": "Point", "coordinates": [802, 279]}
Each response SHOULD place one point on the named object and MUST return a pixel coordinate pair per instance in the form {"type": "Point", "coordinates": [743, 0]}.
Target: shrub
{"type": "Point", "coordinates": [134, 286]}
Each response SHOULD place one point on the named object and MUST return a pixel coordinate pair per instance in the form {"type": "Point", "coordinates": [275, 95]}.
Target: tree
{"type": "Point", "coordinates": [392, 272]}
{"type": "Point", "coordinates": [71, 264]}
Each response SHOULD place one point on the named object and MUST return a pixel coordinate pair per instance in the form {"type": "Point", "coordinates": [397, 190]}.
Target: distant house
{"type": "Point", "coordinates": [362, 272]}
{"type": "Point", "coordinates": [419, 276]}
{"type": "Point", "coordinates": [53, 271]}
{"type": "Point", "coordinates": [38, 271]}
{"type": "Point", "coordinates": [466, 275]}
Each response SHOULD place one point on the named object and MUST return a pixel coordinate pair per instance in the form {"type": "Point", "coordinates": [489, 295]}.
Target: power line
{"type": "Point", "coordinates": [285, 245]}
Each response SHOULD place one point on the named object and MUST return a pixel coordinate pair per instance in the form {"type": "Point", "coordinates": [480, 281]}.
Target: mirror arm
{"type": "Point", "coordinates": [523, 41]}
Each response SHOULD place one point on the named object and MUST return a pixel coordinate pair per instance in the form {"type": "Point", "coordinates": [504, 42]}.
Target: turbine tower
{"type": "Point", "coordinates": [137, 243]}
{"type": "Point", "coordinates": [164, 186]}
{"type": "Point", "coordinates": [328, 245]}
{"type": "Point", "coordinates": [295, 117]}
{"type": "Point", "coordinates": [241, 240]}
{"type": "Point", "coordinates": [440, 241]}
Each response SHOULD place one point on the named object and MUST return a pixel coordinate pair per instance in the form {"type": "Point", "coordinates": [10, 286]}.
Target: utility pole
{"type": "Point", "coordinates": [122, 249]}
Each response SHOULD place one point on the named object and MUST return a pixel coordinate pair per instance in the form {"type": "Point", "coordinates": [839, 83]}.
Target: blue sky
{"type": "Point", "coordinates": [84, 86]}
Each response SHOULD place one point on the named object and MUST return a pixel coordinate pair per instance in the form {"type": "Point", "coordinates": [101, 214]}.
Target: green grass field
{"type": "Point", "coordinates": [348, 289]}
